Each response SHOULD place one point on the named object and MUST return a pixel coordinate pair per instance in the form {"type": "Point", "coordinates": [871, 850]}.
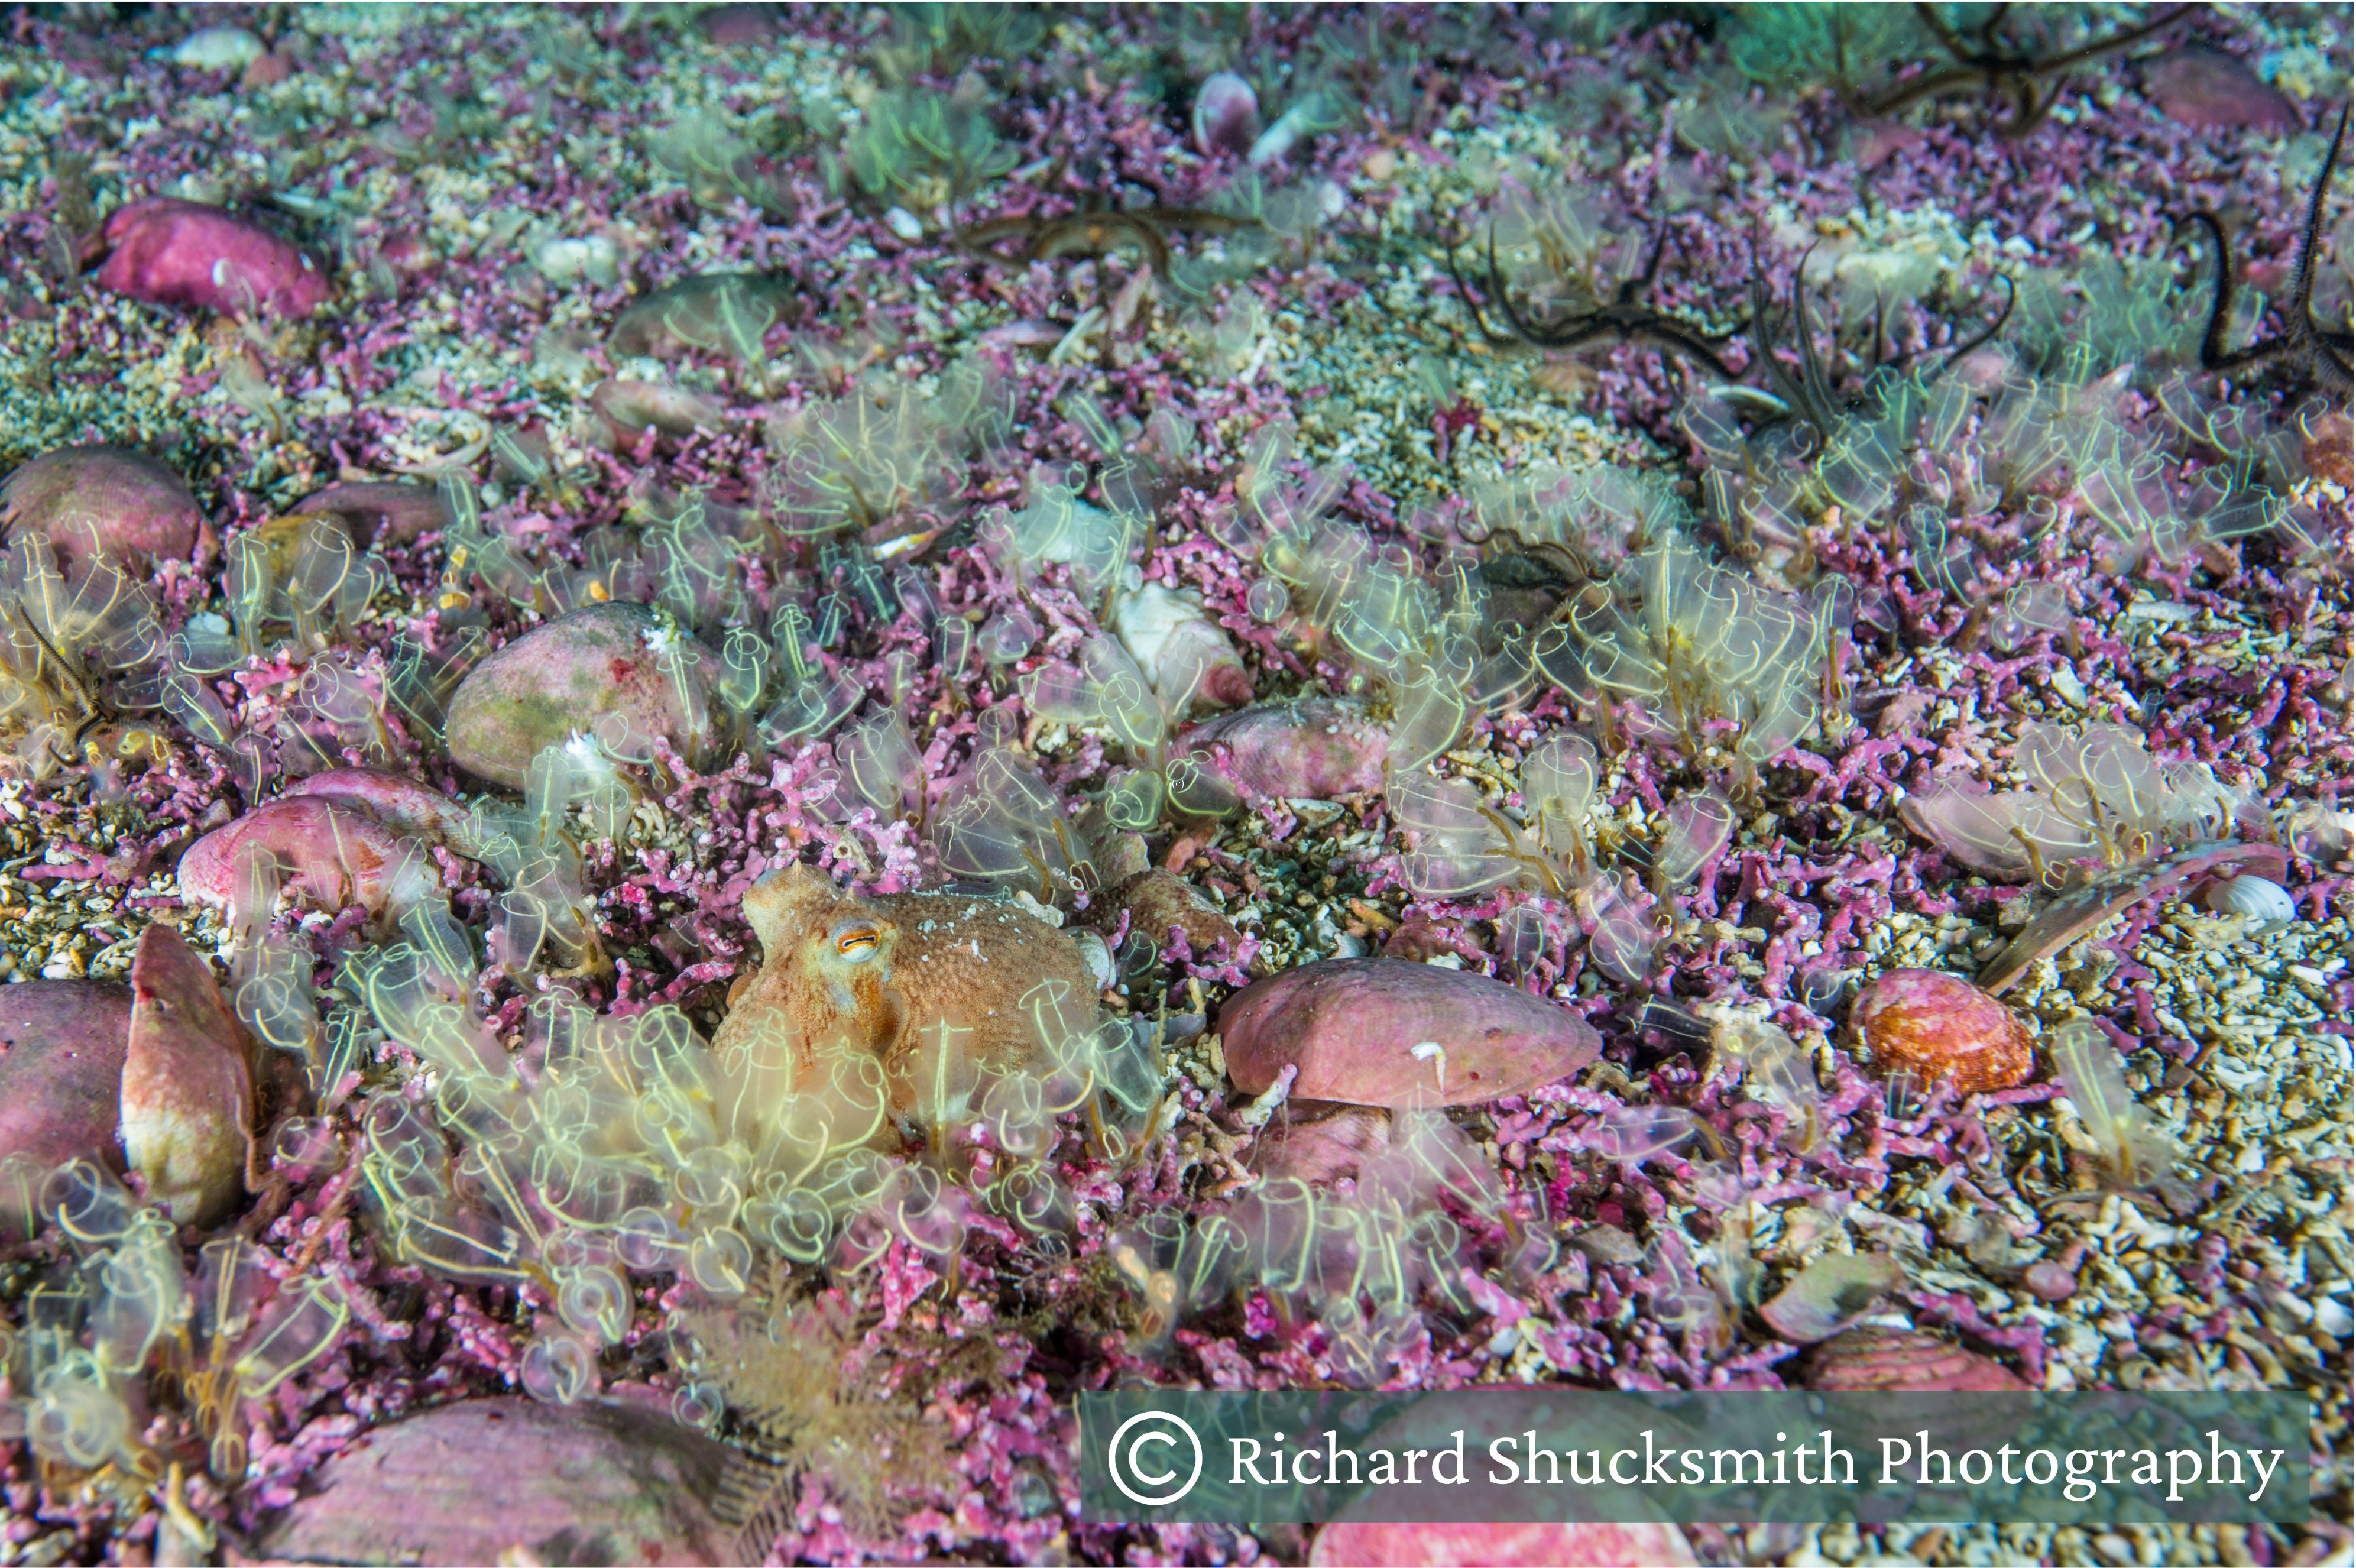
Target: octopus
{"type": "Point", "coordinates": [938, 990]}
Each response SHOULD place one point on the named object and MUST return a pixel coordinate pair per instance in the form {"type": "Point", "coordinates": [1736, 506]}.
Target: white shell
{"type": "Point", "coordinates": [217, 49]}
{"type": "Point", "coordinates": [1096, 956]}
{"type": "Point", "coordinates": [2250, 896]}
{"type": "Point", "coordinates": [564, 261]}
{"type": "Point", "coordinates": [1227, 115]}
{"type": "Point", "coordinates": [1172, 640]}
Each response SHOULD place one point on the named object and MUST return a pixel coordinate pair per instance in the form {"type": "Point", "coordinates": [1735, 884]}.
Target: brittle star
{"type": "Point", "coordinates": [2003, 70]}
{"type": "Point", "coordinates": [1095, 232]}
{"type": "Point", "coordinates": [2327, 353]}
{"type": "Point", "coordinates": [1620, 317]}
{"type": "Point", "coordinates": [1810, 396]}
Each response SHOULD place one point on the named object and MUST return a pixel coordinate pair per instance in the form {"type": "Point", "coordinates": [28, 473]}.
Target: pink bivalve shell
{"type": "Point", "coordinates": [61, 1078]}
{"type": "Point", "coordinates": [2209, 90]}
{"type": "Point", "coordinates": [508, 1479]}
{"type": "Point", "coordinates": [331, 854]}
{"type": "Point", "coordinates": [188, 1083]}
{"type": "Point", "coordinates": [167, 252]}
{"type": "Point", "coordinates": [133, 506]}
{"type": "Point", "coordinates": [1376, 1031]}
{"type": "Point", "coordinates": [1900, 1360]}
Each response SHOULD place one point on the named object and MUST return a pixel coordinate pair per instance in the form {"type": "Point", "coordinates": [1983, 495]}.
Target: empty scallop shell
{"type": "Point", "coordinates": [2250, 896]}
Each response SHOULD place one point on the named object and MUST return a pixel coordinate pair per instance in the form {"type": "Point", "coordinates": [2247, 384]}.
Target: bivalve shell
{"type": "Point", "coordinates": [137, 509]}
{"type": "Point", "coordinates": [607, 671]}
{"type": "Point", "coordinates": [1941, 1028]}
{"type": "Point", "coordinates": [1376, 1031]}
{"type": "Point", "coordinates": [1900, 1360]}
{"type": "Point", "coordinates": [61, 1076]}
{"type": "Point", "coordinates": [2252, 895]}
{"type": "Point", "coordinates": [509, 1479]}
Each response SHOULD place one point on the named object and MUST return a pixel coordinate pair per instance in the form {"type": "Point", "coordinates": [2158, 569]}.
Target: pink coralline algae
{"type": "Point", "coordinates": [748, 694]}
{"type": "Point", "coordinates": [1381, 1032]}
{"type": "Point", "coordinates": [166, 252]}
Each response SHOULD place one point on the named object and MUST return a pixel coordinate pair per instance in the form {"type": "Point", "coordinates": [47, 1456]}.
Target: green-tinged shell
{"type": "Point", "coordinates": [617, 672]}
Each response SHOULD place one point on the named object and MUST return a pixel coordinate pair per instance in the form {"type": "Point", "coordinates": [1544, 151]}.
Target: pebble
{"type": "Point", "coordinates": [566, 261]}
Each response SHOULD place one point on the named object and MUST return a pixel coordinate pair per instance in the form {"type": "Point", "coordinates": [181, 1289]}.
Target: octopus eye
{"type": "Point", "coordinates": [858, 944]}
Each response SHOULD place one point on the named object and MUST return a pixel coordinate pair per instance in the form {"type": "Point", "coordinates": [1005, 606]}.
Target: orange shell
{"type": "Point", "coordinates": [1940, 1027]}
{"type": "Point", "coordinates": [2327, 449]}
